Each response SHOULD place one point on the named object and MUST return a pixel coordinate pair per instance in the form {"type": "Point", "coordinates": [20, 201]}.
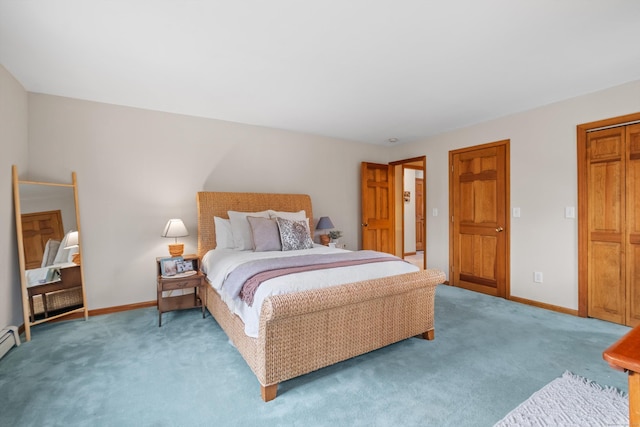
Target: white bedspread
{"type": "Point", "coordinates": [218, 263]}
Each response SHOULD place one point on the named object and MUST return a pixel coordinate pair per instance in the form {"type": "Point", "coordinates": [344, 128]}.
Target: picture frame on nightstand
{"type": "Point", "coordinates": [177, 267]}
{"type": "Point", "coordinates": [169, 266]}
{"type": "Point", "coordinates": [185, 266]}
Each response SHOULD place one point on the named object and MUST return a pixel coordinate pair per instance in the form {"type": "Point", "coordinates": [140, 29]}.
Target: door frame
{"type": "Point", "coordinates": [424, 214]}
{"type": "Point", "coordinates": [507, 201]}
{"type": "Point", "coordinates": [583, 197]}
{"type": "Point", "coordinates": [398, 198]}
{"type": "Point", "coordinates": [411, 166]}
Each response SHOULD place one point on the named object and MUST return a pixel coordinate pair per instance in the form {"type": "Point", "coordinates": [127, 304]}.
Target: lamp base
{"type": "Point", "coordinates": [176, 249]}
{"type": "Point", "coordinates": [324, 239]}
{"type": "Point", "coordinates": [76, 258]}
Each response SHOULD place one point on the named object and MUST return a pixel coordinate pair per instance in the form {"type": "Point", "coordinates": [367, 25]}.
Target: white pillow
{"type": "Point", "coordinates": [293, 216]}
{"type": "Point", "coordinates": [224, 236]}
{"type": "Point", "coordinates": [241, 230]}
{"type": "Point", "coordinates": [50, 252]}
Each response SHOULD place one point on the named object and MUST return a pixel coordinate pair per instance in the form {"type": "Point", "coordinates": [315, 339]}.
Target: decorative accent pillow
{"type": "Point", "coordinates": [50, 252]}
{"type": "Point", "coordinates": [294, 216]}
{"type": "Point", "coordinates": [294, 235]}
{"type": "Point", "coordinates": [266, 236]}
{"type": "Point", "coordinates": [224, 236]}
{"type": "Point", "coordinates": [240, 228]}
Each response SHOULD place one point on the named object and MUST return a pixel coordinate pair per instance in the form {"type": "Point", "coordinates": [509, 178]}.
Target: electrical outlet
{"type": "Point", "coordinates": [537, 276]}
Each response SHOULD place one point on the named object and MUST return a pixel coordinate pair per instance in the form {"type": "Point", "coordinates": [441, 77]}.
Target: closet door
{"type": "Point", "coordinates": [633, 225]}
{"type": "Point", "coordinates": [613, 179]}
{"type": "Point", "coordinates": [606, 218]}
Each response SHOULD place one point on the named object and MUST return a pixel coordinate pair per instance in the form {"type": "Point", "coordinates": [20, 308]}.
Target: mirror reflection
{"type": "Point", "coordinates": [49, 242]}
{"type": "Point", "coordinates": [48, 216]}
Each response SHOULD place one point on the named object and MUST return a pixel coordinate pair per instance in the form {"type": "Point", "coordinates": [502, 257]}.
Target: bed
{"type": "Point", "coordinates": [304, 331]}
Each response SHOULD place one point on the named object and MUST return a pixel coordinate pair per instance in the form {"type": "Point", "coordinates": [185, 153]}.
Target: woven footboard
{"type": "Point", "coordinates": [306, 331]}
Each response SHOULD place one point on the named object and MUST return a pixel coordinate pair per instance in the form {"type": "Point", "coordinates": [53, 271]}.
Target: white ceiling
{"type": "Point", "coordinates": [363, 70]}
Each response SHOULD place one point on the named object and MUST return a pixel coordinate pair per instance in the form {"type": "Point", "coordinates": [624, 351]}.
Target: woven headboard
{"type": "Point", "coordinates": [212, 204]}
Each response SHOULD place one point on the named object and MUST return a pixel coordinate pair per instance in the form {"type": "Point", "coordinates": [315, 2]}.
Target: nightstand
{"type": "Point", "coordinates": [179, 302]}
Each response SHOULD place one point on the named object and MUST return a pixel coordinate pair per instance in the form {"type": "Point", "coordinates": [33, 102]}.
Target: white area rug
{"type": "Point", "coordinates": [571, 401]}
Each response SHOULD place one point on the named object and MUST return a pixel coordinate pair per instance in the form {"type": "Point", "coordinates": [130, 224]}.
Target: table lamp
{"type": "Point", "coordinates": [175, 228]}
{"type": "Point", "coordinates": [73, 241]}
{"type": "Point", "coordinates": [324, 224]}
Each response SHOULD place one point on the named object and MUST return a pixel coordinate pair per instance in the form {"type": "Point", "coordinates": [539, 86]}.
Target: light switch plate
{"type": "Point", "coordinates": [516, 212]}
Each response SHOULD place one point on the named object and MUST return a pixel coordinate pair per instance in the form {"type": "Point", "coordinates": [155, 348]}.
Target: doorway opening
{"type": "Point", "coordinates": [413, 218]}
{"type": "Point", "coordinates": [389, 222]}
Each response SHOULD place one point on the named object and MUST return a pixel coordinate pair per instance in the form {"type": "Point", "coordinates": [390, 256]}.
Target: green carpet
{"type": "Point", "coordinates": [489, 355]}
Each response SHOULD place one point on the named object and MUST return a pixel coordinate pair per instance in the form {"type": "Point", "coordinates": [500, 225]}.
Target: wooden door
{"type": "Point", "coordinates": [37, 229]}
{"type": "Point", "coordinates": [633, 225]}
{"type": "Point", "coordinates": [377, 207]}
{"type": "Point", "coordinates": [479, 231]}
{"type": "Point", "coordinates": [606, 206]}
{"type": "Point", "coordinates": [613, 223]}
{"type": "Point", "coordinates": [419, 214]}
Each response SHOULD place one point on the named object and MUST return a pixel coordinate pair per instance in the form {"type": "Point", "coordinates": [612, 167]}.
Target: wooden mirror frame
{"type": "Point", "coordinates": [26, 306]}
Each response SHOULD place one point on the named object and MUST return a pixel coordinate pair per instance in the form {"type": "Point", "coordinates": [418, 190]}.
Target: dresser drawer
{"type": "Point", "coordinates": [185, 282]}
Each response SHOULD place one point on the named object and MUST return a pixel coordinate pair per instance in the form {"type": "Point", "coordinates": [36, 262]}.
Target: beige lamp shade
{"type": "Point", "coordinates": [175, 228]}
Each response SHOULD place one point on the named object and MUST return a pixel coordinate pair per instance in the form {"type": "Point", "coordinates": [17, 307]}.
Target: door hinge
{"type": "Point", "coordinates": [451, 218]}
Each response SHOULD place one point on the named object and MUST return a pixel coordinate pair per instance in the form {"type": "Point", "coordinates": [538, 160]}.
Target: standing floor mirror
{"type": "Point", "coordinates": [49, 250]}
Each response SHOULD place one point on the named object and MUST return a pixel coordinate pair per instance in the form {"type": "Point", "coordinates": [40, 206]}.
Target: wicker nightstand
{"type": "Point", "coordinates": [179, 302]}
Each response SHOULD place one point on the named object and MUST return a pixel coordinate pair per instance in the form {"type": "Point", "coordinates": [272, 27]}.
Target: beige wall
{"type": "Point", "coordinates": [13, 150]}
{"type": "Point", "coordinates": [138, 168]}
{"type": "Point", "coordinates": [543, 183]}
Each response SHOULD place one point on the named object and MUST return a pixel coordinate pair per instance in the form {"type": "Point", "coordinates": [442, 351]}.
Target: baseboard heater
{"type": "Point", "coordinates": [8, 338]}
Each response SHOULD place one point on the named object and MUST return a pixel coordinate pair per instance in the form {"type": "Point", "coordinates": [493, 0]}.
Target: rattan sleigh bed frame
{"type": "Point", "coordinates": [305, 331]}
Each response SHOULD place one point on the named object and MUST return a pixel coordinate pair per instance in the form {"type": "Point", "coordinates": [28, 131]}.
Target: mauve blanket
{"type": "Point", "coordinates": [246, 278]}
